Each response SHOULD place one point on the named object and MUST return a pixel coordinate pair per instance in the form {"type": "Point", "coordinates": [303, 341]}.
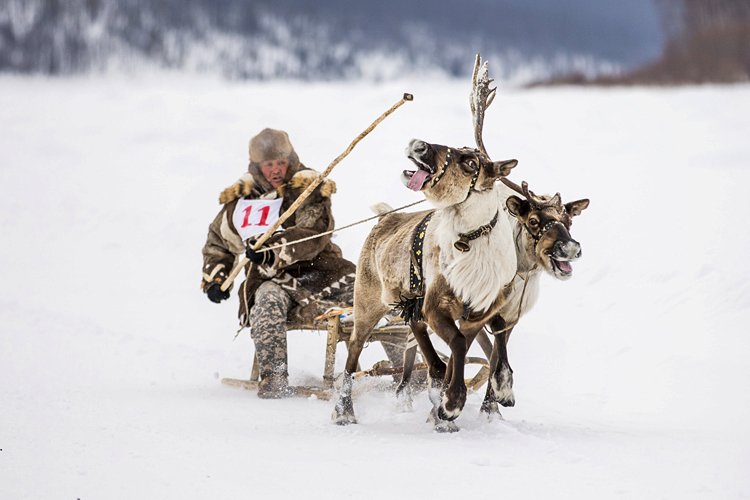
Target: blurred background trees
{"type": "Point", "coordinates": [706, 41]}
{"type": "Point", "coordinates": [576, 41]}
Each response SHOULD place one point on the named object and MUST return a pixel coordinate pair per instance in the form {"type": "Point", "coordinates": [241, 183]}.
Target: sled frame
{"type": "Point", "coordinates": [340, 332]}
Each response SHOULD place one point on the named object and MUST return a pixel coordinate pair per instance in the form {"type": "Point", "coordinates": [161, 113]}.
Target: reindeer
{"type": "Point", "coordinates": [541, 226]}
{"type": "Point", "coordinates": [439, 266]}
{"type": "Point", "coordinates": [543, 243]}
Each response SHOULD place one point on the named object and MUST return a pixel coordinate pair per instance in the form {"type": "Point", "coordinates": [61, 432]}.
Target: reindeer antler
{"type": "Point", "coordinates": [555, 201]}
{"type": "Point", "coordinates": [480, 99]}
{"type": "Point", "coordinates": [515, 187]}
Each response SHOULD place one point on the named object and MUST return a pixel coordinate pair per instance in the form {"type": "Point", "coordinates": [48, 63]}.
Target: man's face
{"type": "Point", "coordinates": [274, 171]}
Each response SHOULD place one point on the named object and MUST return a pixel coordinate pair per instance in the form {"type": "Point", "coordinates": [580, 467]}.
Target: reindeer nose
{"type": "Point", "coordinates": [570, 249]}
{"type": "Point", "coordinates": [417, 146]}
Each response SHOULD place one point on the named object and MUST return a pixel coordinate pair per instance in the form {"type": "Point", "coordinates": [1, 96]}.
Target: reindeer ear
{"type": "Point", "coordinates": [503, 168]}
{"type": "Point", "coordinates": [517, 207]}
{"type": "Point", "coordinates": [576, 207]}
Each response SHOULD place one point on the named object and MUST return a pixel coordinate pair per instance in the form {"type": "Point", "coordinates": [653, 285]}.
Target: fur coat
{"type": "Point", "coordinates": [305, 269]}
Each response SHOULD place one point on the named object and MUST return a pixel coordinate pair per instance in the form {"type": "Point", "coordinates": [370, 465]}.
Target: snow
{"type": "Point", "coordinates": [631, 379]}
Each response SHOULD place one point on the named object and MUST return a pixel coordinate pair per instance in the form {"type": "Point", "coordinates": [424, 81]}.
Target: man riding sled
{"type": "Point", "coordinates": [292, 283]}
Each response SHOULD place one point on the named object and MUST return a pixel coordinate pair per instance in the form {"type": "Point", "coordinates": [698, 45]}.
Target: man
{"type": "Point", "coordinates": [283, 284]}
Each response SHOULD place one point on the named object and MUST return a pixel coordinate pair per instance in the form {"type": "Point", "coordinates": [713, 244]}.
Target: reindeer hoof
{"type": "Point", "coordinates": [404, 400]}
{"type": "Point", "coordinates": [508, 400]}
{"type": "Point", "coordinates": [446, 427]}
{"type": "Point", "coordinates": [343, 419]}
{"type": "Point", "coordinates": [491, 411]}
{"type": "Point", "coordinates": [343, 414]}
{"type": "Point", "coordinates": [439, 424]}
{"type": "Point", "coordinates": [447, 415]}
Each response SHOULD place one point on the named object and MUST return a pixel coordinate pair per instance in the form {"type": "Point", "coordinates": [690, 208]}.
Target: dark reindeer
{"type": "Point", "coordinates": [543, 243]}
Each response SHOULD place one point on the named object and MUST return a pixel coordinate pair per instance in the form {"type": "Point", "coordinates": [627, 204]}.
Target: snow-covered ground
{"type": "Point", "coordinates": [632, 378]}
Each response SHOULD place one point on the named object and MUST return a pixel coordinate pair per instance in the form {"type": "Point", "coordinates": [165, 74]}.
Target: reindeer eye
{"type": "Point", "coordinates": [533, 222]}
{"type": "Point", "coordinates": [469, 166]}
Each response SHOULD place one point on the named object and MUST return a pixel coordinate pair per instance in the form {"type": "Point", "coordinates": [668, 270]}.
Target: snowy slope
{"type": "Point", "coordinates": [631, 379]}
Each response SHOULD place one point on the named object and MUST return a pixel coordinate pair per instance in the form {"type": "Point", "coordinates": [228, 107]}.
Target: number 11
{"type": "Point", "coordinates": [264, 211]}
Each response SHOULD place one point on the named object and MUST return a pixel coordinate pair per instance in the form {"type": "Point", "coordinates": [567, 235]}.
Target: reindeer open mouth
{"type": "Point", "coordinates": [419, 153]}
{"type": "Point", "coordinates": [561, 267]}
{"type": "Point", "coordinates": [562, 254]}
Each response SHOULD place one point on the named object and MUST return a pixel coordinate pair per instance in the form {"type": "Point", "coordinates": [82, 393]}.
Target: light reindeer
{"type": "Point", "coordinates": [440, 266]}
{"type": "Point", "coordinates": [542, 242]}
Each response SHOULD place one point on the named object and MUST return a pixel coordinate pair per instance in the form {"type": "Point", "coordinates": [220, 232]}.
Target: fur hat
{"type": "Point", "coordinates": [270, 144]}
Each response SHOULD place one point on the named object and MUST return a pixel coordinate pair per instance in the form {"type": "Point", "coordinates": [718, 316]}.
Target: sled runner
{"type": "Point", "coordinates": [338, 330]}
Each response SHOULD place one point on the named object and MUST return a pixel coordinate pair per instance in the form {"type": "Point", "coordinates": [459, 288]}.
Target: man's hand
{"type": "Point", "coordinates": [261, 258]}
{"type": "Point", "coordinates": [215, 293]}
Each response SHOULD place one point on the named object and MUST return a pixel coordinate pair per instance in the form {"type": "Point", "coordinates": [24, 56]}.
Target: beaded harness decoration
{"type": "Point", "coordinates": [411, 308]}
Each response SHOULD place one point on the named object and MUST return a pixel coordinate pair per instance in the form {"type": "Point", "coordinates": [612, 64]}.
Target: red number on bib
{"type": "Point", "coordinates": [245, 221]}
{"type": "Point", "coordinates": [264, 211]}
{"type": "Point", "coordinates": [264, 216]}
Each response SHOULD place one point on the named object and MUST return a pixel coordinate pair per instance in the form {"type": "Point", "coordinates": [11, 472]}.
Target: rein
{"type": "Point", "coordinates": [520, 304]}
{"type": "Point", "coordinates": [320, 235]}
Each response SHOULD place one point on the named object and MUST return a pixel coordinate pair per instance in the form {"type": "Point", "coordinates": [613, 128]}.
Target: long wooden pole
{"type": "Point", "coordinates": [301, 198]}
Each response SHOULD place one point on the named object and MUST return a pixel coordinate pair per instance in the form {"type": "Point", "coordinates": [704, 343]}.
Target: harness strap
{"type": "Point", "coordinates": [416, 278]}
{"type": "Point", "coordinates": [546, 228]}
{"type": "Point", "coordinates": [443, 168]}
{"type": "Point", "coordinates": [411, 308]}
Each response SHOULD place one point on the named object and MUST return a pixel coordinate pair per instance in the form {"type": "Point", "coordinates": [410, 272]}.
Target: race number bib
{"type": "Point", "coordinates": [254, 217]}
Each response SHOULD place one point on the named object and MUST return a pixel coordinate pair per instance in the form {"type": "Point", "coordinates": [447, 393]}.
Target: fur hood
{"type": "Point", "coordinates": [245, 185]}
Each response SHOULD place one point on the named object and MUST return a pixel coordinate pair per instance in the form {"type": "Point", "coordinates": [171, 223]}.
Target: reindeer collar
{"type": "Point", "coordinates": [462, 245]}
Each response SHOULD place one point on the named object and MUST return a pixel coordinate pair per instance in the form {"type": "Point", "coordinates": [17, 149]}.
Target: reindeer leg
{"type": "Point", "coordinates": [456, 386]}
{"type": "Point", "coordinates": [504, 373]}
{"type": "Point", "coordinates": [437, 371]}
{"type": "Point", "coordinates": [500, 387]}
{"type": "Point", "coordinates": [489, 406]}
{"type": "Point", "coordinates": [454, 396]}
{"type": "Point", "coordinates": [364, 322]}
{"type": "Point", "coordinates": [403, 391]}
{"type": "Point", "coordinates": [436, 367]}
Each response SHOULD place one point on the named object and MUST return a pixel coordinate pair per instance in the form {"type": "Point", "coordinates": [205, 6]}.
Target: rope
{"type": "Point", "coordinates": [320, 235]}
{"type": "Point", "coordinates": [289, 211]}
{"type": "Point", "coordinates": [520, 305]}
{"type": "Point", "coordinates": [324, 174]}
{"type": "Point", "coordinates": [247, 308]}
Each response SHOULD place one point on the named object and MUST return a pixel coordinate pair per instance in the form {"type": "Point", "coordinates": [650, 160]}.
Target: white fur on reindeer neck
{"type": "Point", "coordinates": [476, 276]}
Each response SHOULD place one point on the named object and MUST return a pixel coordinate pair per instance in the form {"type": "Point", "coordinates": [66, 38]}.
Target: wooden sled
{"type": "Point", "coordinates": [338, 331]}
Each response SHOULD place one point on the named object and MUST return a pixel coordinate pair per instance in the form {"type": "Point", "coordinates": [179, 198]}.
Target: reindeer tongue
{"type": "Point", "coordinates": [564, 266]}
{"type": "Point", "coordinates": [417, 180]}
